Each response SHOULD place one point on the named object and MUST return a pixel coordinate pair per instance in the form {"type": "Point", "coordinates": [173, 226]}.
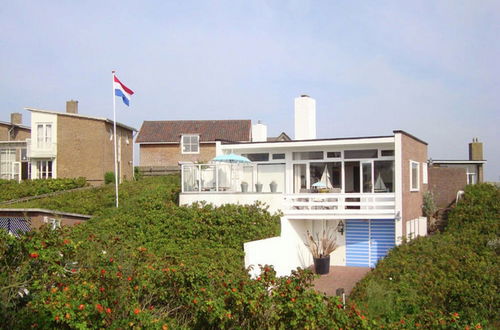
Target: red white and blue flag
{"type": "Point", "coordinates": [122, 91]}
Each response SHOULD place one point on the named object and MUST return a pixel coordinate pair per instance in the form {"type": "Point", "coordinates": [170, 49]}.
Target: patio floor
{"type": "Point", "coordinates": [340, 277]}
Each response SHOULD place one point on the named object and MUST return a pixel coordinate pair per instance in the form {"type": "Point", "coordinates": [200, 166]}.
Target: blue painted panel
{"type": "Point", "coordinates": [382, 239]}
{"type": "Point", "coordinates": [367, 241]}
{"type": "Point", "coordinates": [357, 243]}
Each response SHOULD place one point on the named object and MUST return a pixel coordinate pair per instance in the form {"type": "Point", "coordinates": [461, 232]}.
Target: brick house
{"type": "Point", "coordinates": [165, 144]}
{"type": "Point", "coordinates": [13, 148]}
{"type": "Point", "coordinates": [68, 145]}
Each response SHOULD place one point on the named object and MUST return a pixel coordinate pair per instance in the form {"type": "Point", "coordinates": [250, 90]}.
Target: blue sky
{"type": "Point", "coordinates": [428, 67]}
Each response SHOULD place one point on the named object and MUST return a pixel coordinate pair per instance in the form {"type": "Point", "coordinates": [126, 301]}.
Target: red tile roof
{"type": "Point", "coordinates": [208, 130]}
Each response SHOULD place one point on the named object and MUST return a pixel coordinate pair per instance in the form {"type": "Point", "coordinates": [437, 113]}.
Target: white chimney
{"type": "Point", "coordinates": [305, 118]}
{"type": "Point", "coordinates": [259, 132]}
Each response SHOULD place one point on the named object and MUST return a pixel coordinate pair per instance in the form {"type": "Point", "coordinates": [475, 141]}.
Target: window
{"type": "Point", "coordinates": [278, 156]}
{"type": "Point", "coordinates": [471, 178]}
{"type": "Point", "coordinates": [44, 169]}
{"type": "Point", "coordinates": [261, 157]}
{"type": "Point", "coordinates": [424, 173]}
{"type": "Point", "coordinates": [384, 176]}
{"type": "Point", "coordinates": [308, 155]}
{"type": "Point", "coordinates": [385, 153]}
{"type": "Point", "coordinates": [44, 136]}
{"type": "Point", "coordinates": [7, 159]}
{"type": "Point", "coordinates": [414, 176]}
{"type": "Point", "coordinates": [355, 154]}
{"type": "Point", "coordinates": [333, 154]}
{"type": "Point", "coordinates": [190, 144]}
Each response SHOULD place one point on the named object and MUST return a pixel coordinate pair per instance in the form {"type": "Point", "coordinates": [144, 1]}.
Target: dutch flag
{"type": "Point", "coordinates": [122, 91]}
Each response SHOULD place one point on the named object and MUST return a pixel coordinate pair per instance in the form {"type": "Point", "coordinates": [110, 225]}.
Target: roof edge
{"type": "Point", "coordinates": [409, 135]}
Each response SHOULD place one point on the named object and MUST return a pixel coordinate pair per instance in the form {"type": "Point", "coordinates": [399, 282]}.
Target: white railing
{"type": "Point", "coordinates": [48, 150]}
{"type": "Point", "coordinates": [339, 206]}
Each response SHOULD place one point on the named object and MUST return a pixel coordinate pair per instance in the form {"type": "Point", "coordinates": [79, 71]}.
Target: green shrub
{"type": "Point", "coordinates": [433, 278]}
{"type": "Point", "coordinates": [151, 263]}
{"type": "Point", "coordinates": [13, 190]}
{"type": "Point", "coordinates": [109, 177]}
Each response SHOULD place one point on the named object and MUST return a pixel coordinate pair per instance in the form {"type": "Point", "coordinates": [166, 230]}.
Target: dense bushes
{"type": "Point", "coordinates": [101, 199]}
{"type": "Point", "coordinates": [10, 189]}
{"type": "Point", "coordinates": [456, 273]}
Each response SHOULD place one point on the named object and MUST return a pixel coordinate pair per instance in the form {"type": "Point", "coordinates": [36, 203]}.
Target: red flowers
{"type": "Point", "coordinates": [81, 307]}
{"type": "Point", "coordinates": [137, 311]}
{"type": "Point", "coordinates": [101, 289]}
{"type": "Point", "coordinates": [111, 259]}
{"type": "Point", "coordinates": [99, 308]}
{"type": "Point", "coordinates": [34, 255]}
{"type": "Point", "coordinates": [103, 271]}
{"type": "Point", "coordinates": [129, 278]}
{"type": "Point", "coordinates": [108, 310]}
{"type": "Point", "coordinates": [66, 241]}
{"type": "Point", "coordinates": [195, 301]}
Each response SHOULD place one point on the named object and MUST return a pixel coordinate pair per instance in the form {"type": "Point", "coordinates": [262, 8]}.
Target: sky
{"type": "Point", "coordinates": [430, 68]}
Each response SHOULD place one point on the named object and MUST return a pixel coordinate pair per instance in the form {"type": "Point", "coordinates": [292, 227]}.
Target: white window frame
{"type": "Point", "coordinates": [44, 164]}
{"type": "Point", "coordinates": [425, 179]}
{"type": "Point", "coordinates": [411, 176]}
{"type": "Point", "coordinates": [191, 144]}
{"type": "Point", "coordinates": [44, 141]}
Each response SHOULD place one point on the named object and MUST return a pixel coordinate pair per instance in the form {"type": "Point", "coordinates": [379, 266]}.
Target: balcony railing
{"type": "Point", "coordinates": [339, 206]}
{"type": "Point", "coordinates": [45, 150]}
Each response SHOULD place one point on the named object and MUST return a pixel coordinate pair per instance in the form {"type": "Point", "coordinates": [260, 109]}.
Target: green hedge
{"type": "Point", "coordinates": [456, 273]}
{"type": "Point", "coordinates": [10, 189]}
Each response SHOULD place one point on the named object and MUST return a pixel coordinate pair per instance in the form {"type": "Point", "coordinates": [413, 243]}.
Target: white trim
{"type": "Point", "coordinates": [412, 162]}
{"type": "Point", "coordinates": [200, 142]}
{"type": "Point", "coordinates": [398, 187]}
{"type": "Point", "coordinates": [425, 179]}
{"type": "Point", "coordinates": [312, 143]}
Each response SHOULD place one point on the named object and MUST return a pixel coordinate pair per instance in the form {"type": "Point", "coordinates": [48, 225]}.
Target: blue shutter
{"type": "Point", "coordinates": [357, 243]}
{"type": "Point", "coordinates": [367, 241]}
{"type": "Point", "coordinates": [381, 239]}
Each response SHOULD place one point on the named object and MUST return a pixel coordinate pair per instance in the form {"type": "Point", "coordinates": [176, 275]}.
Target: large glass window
{"type": "Point", "coordinates": [326, 175]}
{"type": "Point", "coordinates": [190, 144]}
{"type": "Point", "coordinates": [384, 176]}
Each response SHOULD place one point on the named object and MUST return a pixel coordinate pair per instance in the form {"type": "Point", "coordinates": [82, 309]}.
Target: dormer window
{"type": "Point", "coordinates": [190, 144]}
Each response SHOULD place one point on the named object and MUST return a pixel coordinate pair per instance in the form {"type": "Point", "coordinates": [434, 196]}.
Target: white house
{"type": "Point", "coordinates": [372, 191]}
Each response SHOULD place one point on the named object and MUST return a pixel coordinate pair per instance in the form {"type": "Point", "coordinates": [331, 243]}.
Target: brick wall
{"type": "Point", "coordinates": [444, 182]}
{"type": "Point", "coordinates": [84, 148]}
{"type": "Point", "coordinates": [414, 150]}
{"type": "Point", "coordinates": [170, 154]}
{"type": "Point", "coordinates": [18, 134]}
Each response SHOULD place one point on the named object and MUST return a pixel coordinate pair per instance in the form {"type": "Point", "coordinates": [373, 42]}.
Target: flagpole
{"type": "Point", "coordinates": [114, 138]}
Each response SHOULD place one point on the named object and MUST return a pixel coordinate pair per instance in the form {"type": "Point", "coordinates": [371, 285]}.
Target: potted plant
{"type": "Point", "coordinates": [258, 187]}
{"type": "Point", "coordinates": [321, 247]}
{"type": "Point", "coordinates": [244, 186]}
{"type": "Point", "coordinates": [274, 186]}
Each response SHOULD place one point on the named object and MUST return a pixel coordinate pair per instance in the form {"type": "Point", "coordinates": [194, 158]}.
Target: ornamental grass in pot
{"type": "Point", "coordinates": [321, 245]}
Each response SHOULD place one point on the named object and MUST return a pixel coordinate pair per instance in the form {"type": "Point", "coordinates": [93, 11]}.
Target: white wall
{"type": "Point", "coordinates": [274, 201]}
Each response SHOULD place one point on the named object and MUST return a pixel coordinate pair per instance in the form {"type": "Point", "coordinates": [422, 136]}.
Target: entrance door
{"type": "Point", "coordinates": [368, 241]}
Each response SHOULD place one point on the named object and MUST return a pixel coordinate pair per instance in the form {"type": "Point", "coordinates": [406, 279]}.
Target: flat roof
{"type": "Point", "coordinates": [81, 116]}
{"type": "Point", "coordinates": [456, 161]}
